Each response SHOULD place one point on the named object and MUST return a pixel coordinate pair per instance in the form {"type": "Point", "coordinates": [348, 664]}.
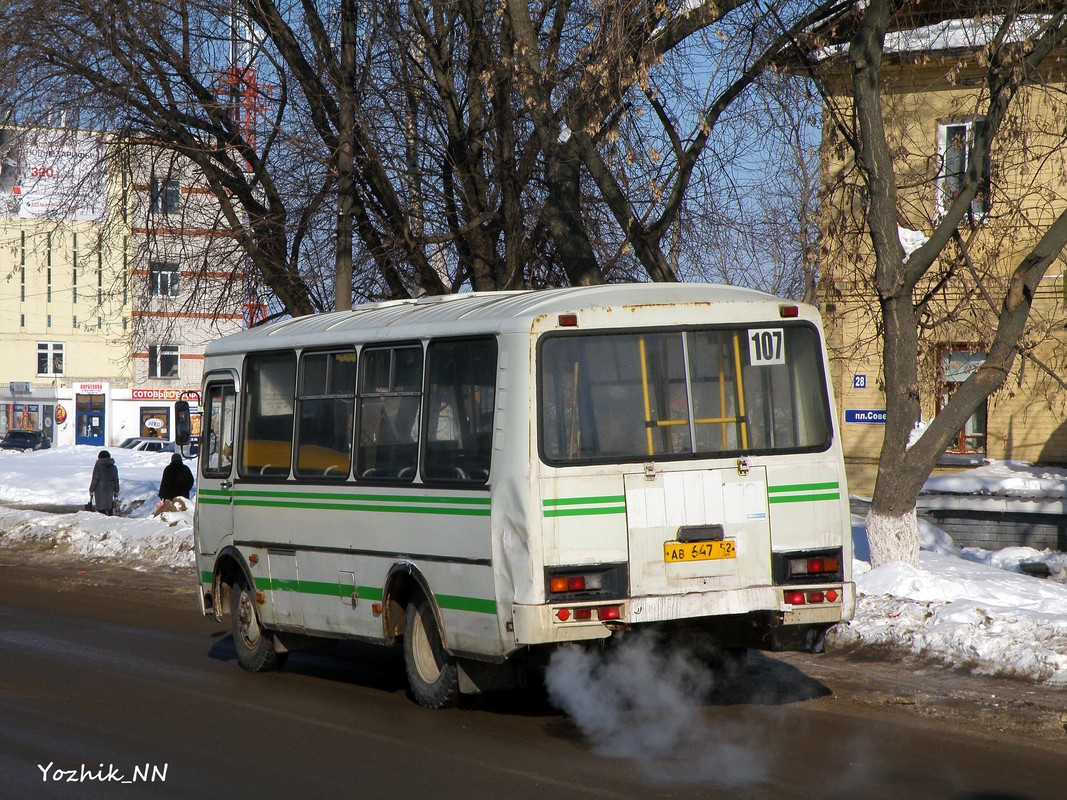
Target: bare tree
{"type": "Point", "coordinates": [421, 146]}
{"type": "Point", "coordinates": [973, 275]}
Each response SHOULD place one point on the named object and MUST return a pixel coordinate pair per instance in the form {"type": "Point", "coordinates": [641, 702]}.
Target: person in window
{"type": "Point", "coordinates": [104, 485]}
{"type": "Point", "coordinates": [177, 480]}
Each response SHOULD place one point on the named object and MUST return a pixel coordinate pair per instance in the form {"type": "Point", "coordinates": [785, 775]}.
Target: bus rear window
{"type": "Point", "coordinates": [697, 393]}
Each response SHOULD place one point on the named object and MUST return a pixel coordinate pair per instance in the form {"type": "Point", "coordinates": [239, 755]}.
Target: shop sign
{"type": "Point", "coordinates": [20, 387]}
{"type": "Point", "coordinates": [165, 394]}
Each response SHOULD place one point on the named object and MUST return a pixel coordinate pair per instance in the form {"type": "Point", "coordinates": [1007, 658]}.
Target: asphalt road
{"type": "Point", "coordinates": [107, 675]}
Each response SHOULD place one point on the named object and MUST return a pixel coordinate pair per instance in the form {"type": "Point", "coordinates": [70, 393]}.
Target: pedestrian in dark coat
{"type": "Point", "coordinates": [177, 480]}
{"type": "Point", "coordinates": [104, 486]}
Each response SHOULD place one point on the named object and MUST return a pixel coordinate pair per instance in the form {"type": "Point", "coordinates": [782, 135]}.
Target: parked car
{"type": "Point", "coordinates": [149, 444]}
{"type": "Point", "coordinates": [25, 440]}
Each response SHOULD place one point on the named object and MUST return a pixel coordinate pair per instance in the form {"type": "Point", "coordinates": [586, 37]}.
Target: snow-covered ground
{"type": "Point", "coordinates": [965, 608]}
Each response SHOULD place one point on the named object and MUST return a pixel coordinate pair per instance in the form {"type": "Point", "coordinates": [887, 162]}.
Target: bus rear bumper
{"type": "Point", "coordinates": [762, 606]}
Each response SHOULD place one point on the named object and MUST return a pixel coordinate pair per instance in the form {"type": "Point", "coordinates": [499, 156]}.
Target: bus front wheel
{"type": "Point", "coordinates": [254, 644]}
{"type": "Point", "coordinates": [433, 674]}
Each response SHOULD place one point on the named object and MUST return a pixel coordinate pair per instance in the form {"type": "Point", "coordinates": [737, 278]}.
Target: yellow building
{"type": "Point", "coordinates": [934, 104]}
{"type": "Point", "coordinates": [105, 279]}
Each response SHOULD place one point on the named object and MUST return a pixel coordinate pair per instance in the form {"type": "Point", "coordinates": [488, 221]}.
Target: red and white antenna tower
{"type": "Point", "coordinates": [238, 85]}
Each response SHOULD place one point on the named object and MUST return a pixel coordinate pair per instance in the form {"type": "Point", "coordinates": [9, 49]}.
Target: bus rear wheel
{"type": "Point", "coordinates": [254, 644]}
{"type": "Point", "coordinates": [433, 674]}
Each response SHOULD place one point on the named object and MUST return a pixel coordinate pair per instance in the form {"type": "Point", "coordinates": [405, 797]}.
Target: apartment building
{"type": "Point", "coordinates": [114, 278]}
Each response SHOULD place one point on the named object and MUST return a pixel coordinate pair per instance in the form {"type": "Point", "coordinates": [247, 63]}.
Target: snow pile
{"type": "Point", "coordinates": [42, 495]}
{"type": "Point", "coordinates": [966, 608]}
{"type": "Point", "coordinates": [963, 614]}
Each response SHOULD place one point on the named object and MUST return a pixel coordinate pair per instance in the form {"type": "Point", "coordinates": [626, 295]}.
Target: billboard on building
{"type": "Point", "coordinates": [56, 174]}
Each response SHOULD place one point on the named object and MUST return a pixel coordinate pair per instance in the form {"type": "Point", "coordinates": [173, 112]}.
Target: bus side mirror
{"type": "Point", "coordinates": [182, 423]}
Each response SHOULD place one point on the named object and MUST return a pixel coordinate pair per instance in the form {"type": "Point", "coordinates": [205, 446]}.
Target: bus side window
{"type": "Point", "coordinates": [390, 396]}
{"type": "Point", "coordinates": [461, 398]}
{"type": "Point", "coordinates": [326, 409]}
{"type": "Point", "coordinates": [267, 423]}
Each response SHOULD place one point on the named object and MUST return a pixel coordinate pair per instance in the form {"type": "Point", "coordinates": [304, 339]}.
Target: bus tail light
{"type": "Point", "coordinates": [814, 566]}
{"type": "Point", "coordinates": [609, 612]}
{"type": "Point", "coordinates": [586, 583]}
{"type": "Point", "coordinates": [589, 613]}
{"type": "Point", "coordinates": [811, 566]}
{"type": "Point", "coordinates": [797, 598]}
{"type": "Point", "coordinates": [560, 584]}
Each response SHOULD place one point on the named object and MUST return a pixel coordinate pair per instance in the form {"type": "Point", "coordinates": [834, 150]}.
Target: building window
{"type": "Point", "coordinates": [163, 361]}
{"type": "Point", "coordinates": [954, 141]}
{"type": "Point", "coordinates": [166, 196]}
{"type": "Point", "coordinates": [50, 358]}
{"type": "Point", "coordinates": [163, 279]}
{"type": "Point", "coordinates": [957, 363]}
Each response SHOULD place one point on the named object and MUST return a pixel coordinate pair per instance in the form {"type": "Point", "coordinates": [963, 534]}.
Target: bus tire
{"type": "Point", "coordinates": [433, 674]}
{"type": "Point", "coordinates": [254, 644]}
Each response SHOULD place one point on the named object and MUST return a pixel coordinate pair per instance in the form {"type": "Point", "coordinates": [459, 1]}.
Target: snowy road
{"type": "Point", "coordinates": [106, 671]}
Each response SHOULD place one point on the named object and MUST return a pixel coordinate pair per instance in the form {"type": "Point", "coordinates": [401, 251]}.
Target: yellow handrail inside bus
{"type": "Point", "coordinates": [740, 393]}
{"type": "Point", "coordinates": [722, 401]}
{"type": "Point", "coordinates": [723, 421]}
{"type": "Point", "coordinates": [644, 386]}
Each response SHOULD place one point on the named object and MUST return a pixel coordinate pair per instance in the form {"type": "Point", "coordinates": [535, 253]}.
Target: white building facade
{"type": "Point", "coordinates": [114, 278]}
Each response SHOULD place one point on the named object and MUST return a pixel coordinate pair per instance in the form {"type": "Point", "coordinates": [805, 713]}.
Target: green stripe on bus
{"type": "Point", "coordinates": [386, 503]}
{"type": "Point", "coordinates": [474, 604]}
{"type": "Point", "coordinates": [805, 498]}
{"type": "Point", "coordinates": [455, 602]}
{"type": "Point", "coordinates": [578, 501]}
{"type": "Point", "coordinates": [385, 498]}
{"type": "Point", "coordinates": [803, 487]}
{"type": "Point", "coordinates": [583, 506]}
{"type": "Point", "coordinates": [396, 509]}
{"type": "Point", "coordinates": [324, 588]}
{"type": "Point", "coordinates": [213, 501]}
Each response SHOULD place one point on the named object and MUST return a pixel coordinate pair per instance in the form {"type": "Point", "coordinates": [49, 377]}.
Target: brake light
{"type": "Point", "coordinates": [568, 320]}
{"type": "Point", "coordinates": [794, 598]}
{"type": "Point", "coordinates": [589, 613]}
{"type": "Point", "coordinates": [788, 312]}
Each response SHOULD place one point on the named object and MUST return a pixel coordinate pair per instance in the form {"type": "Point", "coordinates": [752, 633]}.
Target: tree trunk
{"type": "Point", "coordinates": [892, 538]}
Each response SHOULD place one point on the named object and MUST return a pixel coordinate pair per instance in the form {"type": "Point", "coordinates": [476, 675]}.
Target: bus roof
{"type": "Point", "coordinates": [482, 312]}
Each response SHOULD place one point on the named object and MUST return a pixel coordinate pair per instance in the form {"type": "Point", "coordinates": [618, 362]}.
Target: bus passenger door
{"type": "Point", "coordinates": [214, 506]}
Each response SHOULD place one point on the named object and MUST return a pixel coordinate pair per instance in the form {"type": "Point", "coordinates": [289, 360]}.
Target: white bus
{"type": "Point", "coordinates": [484, 477]}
